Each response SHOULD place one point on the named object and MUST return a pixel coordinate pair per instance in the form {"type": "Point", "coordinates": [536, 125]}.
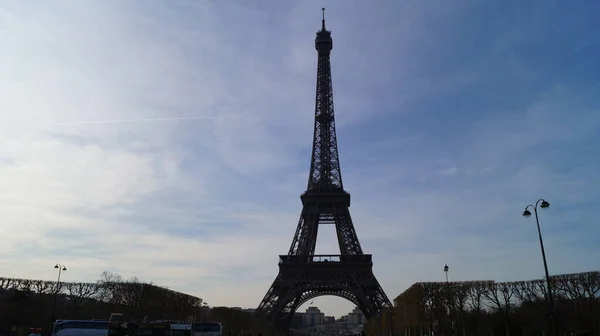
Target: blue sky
{"type": "Point", "coordinates": [451, 118]}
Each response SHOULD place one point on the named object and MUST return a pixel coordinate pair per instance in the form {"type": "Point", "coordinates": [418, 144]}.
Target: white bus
{"type": "Point", "coordinates": [201, 328]}
{"type": "Point", "coordinates": [80, 328]}
{"type": "Point", "coordinates": [100, 328]}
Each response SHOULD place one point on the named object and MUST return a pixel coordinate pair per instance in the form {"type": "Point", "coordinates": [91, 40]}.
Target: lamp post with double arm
{"type": "Point", "coordinates": [61, 268]}
{"type": "Point", "coordinates": [543, 204]}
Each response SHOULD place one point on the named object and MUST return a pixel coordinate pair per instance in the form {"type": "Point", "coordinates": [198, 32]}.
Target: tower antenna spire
{"type": "Point", "coordinates": [323, 21]}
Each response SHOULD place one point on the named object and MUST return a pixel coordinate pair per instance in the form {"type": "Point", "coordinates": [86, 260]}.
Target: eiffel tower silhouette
{"type": "Point", "coordinates": [302, 274]}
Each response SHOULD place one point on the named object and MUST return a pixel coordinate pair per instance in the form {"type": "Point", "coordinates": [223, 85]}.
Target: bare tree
{"type": "Point", "coordinates": [42, 287]}
{"type": "Point", "coordinates": [80, 292]}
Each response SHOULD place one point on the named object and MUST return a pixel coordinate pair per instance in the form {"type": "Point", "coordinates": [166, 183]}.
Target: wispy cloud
{"type": "Point", "coordinates": [94, 122]}
{"type": "Point", "coordinates": [172, 141]}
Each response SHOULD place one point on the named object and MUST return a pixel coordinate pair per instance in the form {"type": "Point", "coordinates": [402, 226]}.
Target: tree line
{"type": "Point", "coordinates": [26, 303]}
{"type": "Point", "coordinates": [494, 308]}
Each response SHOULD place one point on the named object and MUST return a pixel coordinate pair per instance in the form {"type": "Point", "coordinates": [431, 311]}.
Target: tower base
{"type": "Point", "coordinates": [302, 278]}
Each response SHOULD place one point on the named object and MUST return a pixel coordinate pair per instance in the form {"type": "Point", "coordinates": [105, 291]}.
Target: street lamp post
{"type": "Point", "coordinates": [204, 311]}
{"type": "Point", "coordinates": [60, 268]}
{"type": "Point", "coordinates": [446, 269]}
{"type": "Point", "coordinates": [543, 204]}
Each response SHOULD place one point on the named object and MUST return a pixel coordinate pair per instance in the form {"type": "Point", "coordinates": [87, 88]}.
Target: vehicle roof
{"type": "Point", "coordinates": [95, 321]}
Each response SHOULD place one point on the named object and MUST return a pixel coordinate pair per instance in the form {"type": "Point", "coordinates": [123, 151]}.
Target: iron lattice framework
{"type": "Point", "coordinates": [302, 274]}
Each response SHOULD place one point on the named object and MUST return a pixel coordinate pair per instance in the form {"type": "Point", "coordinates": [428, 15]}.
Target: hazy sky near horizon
{"type": "Point", "coordinates": [171, 140]}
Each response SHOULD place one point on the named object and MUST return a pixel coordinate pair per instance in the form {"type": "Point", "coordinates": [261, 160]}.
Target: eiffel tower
{"type": "Point", "coordinates": [302, 274]}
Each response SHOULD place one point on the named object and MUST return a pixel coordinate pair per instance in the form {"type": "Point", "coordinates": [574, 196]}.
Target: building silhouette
{"type": "Point", "coordinates": [312, 317]}
{"type": "Point", "coordinates": [356, 317]}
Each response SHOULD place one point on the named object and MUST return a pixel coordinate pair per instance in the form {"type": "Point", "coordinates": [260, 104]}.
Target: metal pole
{"type": "Point", "coordinates": [60, 268]}
{"type": "Point", "coordinates": [526, 213]}
{"type": "Point", "coordinates": [548, 282]}
{"type": "Point", "coordinates": [446, 269]}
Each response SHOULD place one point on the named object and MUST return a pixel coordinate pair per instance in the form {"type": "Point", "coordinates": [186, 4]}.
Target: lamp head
{"type": "Point", "coordinates": [526, 213]}
{"type": "Point", "coordinates": [56, 266]}
{"type": "Point", "coordinates": [64, 268]}
{"type": "Point", "coordinates": [446, 268]}
{"type": "Point", "coordinates": [545, 204]}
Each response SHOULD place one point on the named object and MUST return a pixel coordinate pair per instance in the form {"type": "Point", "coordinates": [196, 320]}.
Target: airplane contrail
{"type": "Point", "coordinates": [143, 120]}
